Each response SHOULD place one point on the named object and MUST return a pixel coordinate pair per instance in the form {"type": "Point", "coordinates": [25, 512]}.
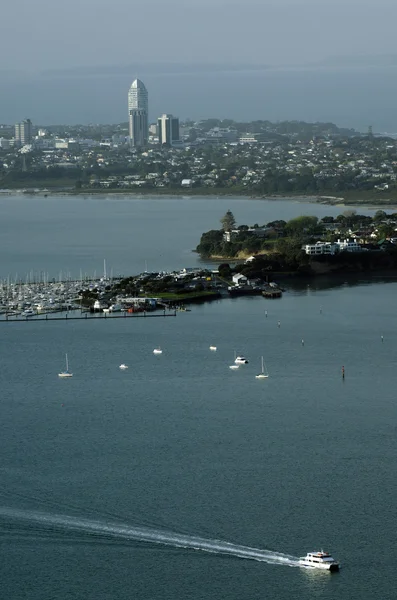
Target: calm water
{"type": "Point", "coordinates": [180, 443]}
{"type": "Point", "coordinates": [66, 235]}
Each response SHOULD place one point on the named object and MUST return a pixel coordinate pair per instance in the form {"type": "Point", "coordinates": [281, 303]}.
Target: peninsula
{"type": "Point", "coordinates": [306, 245]}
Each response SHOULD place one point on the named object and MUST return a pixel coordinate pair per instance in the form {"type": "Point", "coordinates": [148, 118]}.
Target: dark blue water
{"type": "Point", "coordinates": [97, 470]}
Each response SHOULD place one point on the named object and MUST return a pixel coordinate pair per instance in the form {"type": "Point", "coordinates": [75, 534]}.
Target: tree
{"type": "Point", "coordinates": [385, 231]}
{"type": "Point", "coordinates": [301, 225]}
{"type": "Point", "coordinates": [228, 221]}
{"type": "Point", "coordinates": [350, 212]}
{"type": "Point", "coordinates": [224, 271]}
{"type": "Point", "coordinates": [380, 215]}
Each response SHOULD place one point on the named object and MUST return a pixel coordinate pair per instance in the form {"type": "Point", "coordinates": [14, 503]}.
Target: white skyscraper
{"type": "Point", "coordinates": [138, 113]}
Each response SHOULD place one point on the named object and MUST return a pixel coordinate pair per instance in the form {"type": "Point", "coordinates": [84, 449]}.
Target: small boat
{"type": "Point", "coordinates": [123, 367]}
{"type": "Point", "coordinates": [241, 360]}
{"type": "Point", "coordinates": [319, 560]}
{"type": "Point", "coordinates": [157, 350]}
{"type": "Point", "coordinates": [234, 367]}
{"type": "Point", "coordinates": [213, 348]}
{"type": "Point", "coordinates": [263, 374]}
{"type": "Point", "coordinates": [66, 372]}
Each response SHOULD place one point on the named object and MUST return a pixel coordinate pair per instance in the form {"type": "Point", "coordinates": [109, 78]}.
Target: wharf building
{"type": "Point", "coordinates": [168, 129]}
{"type": "Point", "coordinates": [23, 132]}
{"type": "Point", "coordinates": [138, 114]}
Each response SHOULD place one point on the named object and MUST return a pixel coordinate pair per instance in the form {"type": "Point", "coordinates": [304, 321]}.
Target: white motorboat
{"type": "Point", "coordinates": [241, 360]}
{"type": "Point", "coordinates": [123, 367]}
{"type": "Point", "coordinates": [213, 348]}
{"type": "Point", "coordinates": [157, 350]}
{"type": "Point", "coordinates": [66, 372]}
{"type": "Point", "coordinates": [234, 367]}
{"type": "Point", "coordinates": [319, 560]}
{"type": "Point", "coordinates": [263, 374]}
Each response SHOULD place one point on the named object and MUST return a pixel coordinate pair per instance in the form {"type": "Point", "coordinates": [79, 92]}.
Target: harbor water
{"type": "Point", "coordinates": [181, 478]}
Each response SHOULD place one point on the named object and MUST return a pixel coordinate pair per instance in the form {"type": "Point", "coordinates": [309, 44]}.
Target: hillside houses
{"type": "Point", "coordinates": [213, 158]}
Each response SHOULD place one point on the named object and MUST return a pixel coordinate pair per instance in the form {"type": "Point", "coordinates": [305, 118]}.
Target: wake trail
{"type": "Point", "coordinates": [147, 534]}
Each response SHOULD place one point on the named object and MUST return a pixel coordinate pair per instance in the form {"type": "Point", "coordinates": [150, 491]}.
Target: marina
{"type": "Point", "coordinates": [63, 301]}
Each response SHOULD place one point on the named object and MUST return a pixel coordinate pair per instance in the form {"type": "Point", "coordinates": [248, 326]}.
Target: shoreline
{"type": "Point", "coordinates": [343, 201]}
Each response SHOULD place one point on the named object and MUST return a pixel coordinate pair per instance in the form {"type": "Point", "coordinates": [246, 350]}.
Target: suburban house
{"type": "Point", "coordinates": [332, 248]}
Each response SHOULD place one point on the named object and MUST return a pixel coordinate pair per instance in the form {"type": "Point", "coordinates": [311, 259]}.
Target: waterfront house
{"type": "Point", "coordinates": [320, 248]}
{"type": "Point", "coordinates": [331, 248]}
{"type": "Point", "coordinates": [239, 279]}
{"type": "Point", "coordinates": [348, 245]}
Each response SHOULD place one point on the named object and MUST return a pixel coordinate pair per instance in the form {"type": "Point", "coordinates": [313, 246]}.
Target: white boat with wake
{"type": "Point", "coordinates": [319, 560]}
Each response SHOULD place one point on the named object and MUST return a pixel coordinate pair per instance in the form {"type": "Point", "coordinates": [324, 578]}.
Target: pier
{"type": "Point", "coordinates": [85, 316]}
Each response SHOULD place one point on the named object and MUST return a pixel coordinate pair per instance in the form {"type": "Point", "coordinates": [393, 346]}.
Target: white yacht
{"type": "Point", "coordinates": [263, 374]}
{"type": "Point", "coordinates": [319, 560]}
{"type": "Point", "coordinates": [157, 350]}
{"type": "Point", "coordinates": [241, 360]}
{"type": "Point", "coordinates": [66, 373]}
{"type": "Point", "coordinates": [213, 348]}
{"type": "Point", "coordinates": [123, 367]}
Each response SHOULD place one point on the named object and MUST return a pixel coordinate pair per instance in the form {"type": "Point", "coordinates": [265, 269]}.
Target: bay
{"type": "Point", "coordinates": [180, 443]}
{"type": "Point", "coordinates": [65, 236]}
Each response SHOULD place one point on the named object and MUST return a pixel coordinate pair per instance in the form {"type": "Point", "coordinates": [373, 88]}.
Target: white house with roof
{"type": "Point", "coordinates": [320, 248]}
{"type": "Point", "coordinates": [331, 248]}
{"type": "Point", "coordinates": [348, 246]}
{"type": "Point", "coordinates": [239, 279]}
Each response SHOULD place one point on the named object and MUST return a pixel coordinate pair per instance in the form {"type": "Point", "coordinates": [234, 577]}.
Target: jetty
{"type": "Point", "coordinates": [76, 315]}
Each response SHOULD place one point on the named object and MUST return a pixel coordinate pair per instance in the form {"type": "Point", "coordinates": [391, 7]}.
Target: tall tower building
{"type": "Point", "coordinates": [168, 128]}
{"type": "Point", "coordinates": [138, 114]}
{"type": "Point", "coordinates": [23, 132]}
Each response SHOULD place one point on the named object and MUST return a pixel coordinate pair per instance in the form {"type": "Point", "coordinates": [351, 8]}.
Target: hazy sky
{"type": "Point", "coordinates": [52, 34]}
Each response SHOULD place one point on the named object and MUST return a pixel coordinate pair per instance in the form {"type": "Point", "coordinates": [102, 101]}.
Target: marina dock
{"type": "Point", "coordinates": [85, 316]}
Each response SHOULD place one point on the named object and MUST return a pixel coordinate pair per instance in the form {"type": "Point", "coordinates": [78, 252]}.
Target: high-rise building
{"type": "Point", "coordinates": [23, 132]}
{"type": "Point", "coordinates": [138, 114]}
{"type": "Point", "coordinates": [168, 129]}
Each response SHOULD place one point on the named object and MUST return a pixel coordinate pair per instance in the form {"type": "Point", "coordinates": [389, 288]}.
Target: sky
{"type": "Point", "coordinates": [57, 34]}
{"type": "Point", "coordinates": [72, 61]}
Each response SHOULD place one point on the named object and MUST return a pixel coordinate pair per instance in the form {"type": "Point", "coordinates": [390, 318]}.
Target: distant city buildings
{"type": "Point", "coordinates": [23, 132]}
{"type": "Point", "coordinates": [168, 129]}
{"type": "Point", "coordinates": [138, 114]}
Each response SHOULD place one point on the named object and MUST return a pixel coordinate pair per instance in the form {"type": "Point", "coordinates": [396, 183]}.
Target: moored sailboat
{"type": "Point", "coordinates": [66, 373]}
{"type": "Point", "coordinates": [263, 374]}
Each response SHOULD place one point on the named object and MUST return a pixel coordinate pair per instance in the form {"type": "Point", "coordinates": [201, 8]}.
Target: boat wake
{"type": "Point", "coordinates": [147, 534]}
